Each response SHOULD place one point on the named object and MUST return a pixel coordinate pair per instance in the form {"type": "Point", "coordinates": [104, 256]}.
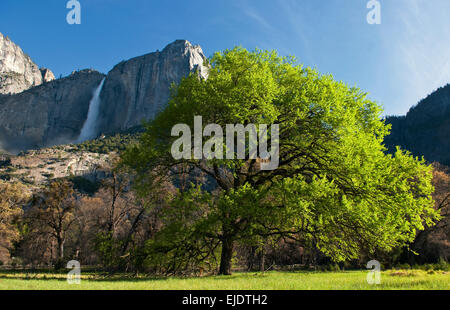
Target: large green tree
{"type": "Point", "coordinates": [334, 189]}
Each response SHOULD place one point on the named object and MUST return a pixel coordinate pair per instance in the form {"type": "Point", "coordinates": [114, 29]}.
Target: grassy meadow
{"type": "Point", "coordinates": [274, 280]}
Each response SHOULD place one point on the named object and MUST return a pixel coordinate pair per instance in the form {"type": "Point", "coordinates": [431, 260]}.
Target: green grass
{"type": "Point", "coordinates": [349, 280]}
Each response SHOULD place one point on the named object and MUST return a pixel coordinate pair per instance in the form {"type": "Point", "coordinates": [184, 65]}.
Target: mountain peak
{"type": "Point", "coordinates": [180, 43]}
{"type": "Point", "coordinates": [183, 46]}
{"type": "Point", "coordinates": [194, 52]}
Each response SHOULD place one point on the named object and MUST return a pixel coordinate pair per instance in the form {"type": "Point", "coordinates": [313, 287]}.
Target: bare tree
{"type": "Point", "coordinates": [53, 214]}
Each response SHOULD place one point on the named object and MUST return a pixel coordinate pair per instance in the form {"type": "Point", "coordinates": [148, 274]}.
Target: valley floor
{"type": "Point", "coordinates": [348, 280]}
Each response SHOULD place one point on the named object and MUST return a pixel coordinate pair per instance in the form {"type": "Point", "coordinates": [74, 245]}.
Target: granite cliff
{"type": "Point", "coordinates": [49, 114]}
{"type": "Point", "coordinates": [17, 71]}
{"type": "Point", "coordinates": [139, 88]}
{"type": "Point", "coordinates": [54, 111]}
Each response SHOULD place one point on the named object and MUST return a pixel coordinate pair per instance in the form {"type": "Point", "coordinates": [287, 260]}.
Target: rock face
{"type": "Point", "coordinates": [52, 113]}
{"type": "Point", "coordinates": [17, 71]}
{"type": "Point", "coordinates": [47, 75]}
{"type": "Point", "coordinates": [425, 130]}
{"type": "Point", "coordinates": [139, 88]}
{"type": "Point", "coordinates": [55, 111]}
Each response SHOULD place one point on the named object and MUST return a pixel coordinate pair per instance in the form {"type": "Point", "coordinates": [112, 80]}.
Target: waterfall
{"type": "Point", "coordinates": [90, 125]}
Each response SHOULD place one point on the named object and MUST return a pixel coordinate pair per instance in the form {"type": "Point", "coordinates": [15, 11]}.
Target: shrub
{"type": "Point", "coordinates": [404, 266]}
{"type": "Point", "coordinates": [333, 267]}
{"type": "Point", "coordinates": [442, 265]}
{"type": "Point", "coordinates": [428, 267]}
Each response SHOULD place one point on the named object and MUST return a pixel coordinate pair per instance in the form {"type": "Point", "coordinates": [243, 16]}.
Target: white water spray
{"type": "Point", "coordinates": [89, 130]}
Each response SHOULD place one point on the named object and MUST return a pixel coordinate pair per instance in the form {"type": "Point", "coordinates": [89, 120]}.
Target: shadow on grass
{"type": "Point", "coordinates": [102, 276]}
{"type": "Point", "coordinates": [93, 276]}
{"type": "Point", "coordinates": [43, 275]}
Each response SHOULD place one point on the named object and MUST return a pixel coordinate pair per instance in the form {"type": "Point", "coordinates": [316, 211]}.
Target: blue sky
{"type": "Point", "coordinates": [398, 62]}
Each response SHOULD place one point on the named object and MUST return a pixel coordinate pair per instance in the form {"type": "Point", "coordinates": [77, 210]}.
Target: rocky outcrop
{"type": "Point", "coordinates": [139, 88]}
{"type": "Point", "coordinates": [37, 167]}
{"type": "Point", "coordinates": [47, 75]}
{"type": "Point", "coordinates": [425, 130]}
{"type": "Point", "coordinates": [52, 113]}
{"type": "Point", "coordinates": [17, 71]}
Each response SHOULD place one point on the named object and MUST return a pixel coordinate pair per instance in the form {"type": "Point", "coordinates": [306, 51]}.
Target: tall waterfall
{"type": "Point", "coordinates": [90, 125]}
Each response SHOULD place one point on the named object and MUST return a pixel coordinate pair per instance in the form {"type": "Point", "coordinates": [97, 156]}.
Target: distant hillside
{"type": "Point", "coordinates": [87, 161]}
{"type": "Point", "coordinates": [425, 130]}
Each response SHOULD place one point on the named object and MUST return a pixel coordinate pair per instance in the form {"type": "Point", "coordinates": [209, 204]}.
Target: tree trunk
{"type": "Point", "coordinates": [263, 260]}
{"type": "Point", "coordinates": [61, 251]}
{"type": "Point", "coordinates": [59, 263]}
{"type": "Point", "coordinates": [60, 248]}
{"type": "Point", "coordinates": [131, 232]}
{"type": "Point", "coordinates": [251, 258]}
{"type": "Point", "coordinates": [226, 256]}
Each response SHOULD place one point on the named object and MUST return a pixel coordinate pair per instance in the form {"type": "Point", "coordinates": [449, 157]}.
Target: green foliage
{"type": "Point", "coordinates": [111, 143]}
{"type": "Point", "coordinates": [108, 250]}
{"type": "Point", "coordinates": [403, 266]}
{"type": "Point", "coordinates": [442, 265]}
{"type": "Point", "coordinates": [184, 245]}
{"type": "Point", "coordinates": [335, 188]}
{"type": "Point", "coordinates": [330, 267]}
